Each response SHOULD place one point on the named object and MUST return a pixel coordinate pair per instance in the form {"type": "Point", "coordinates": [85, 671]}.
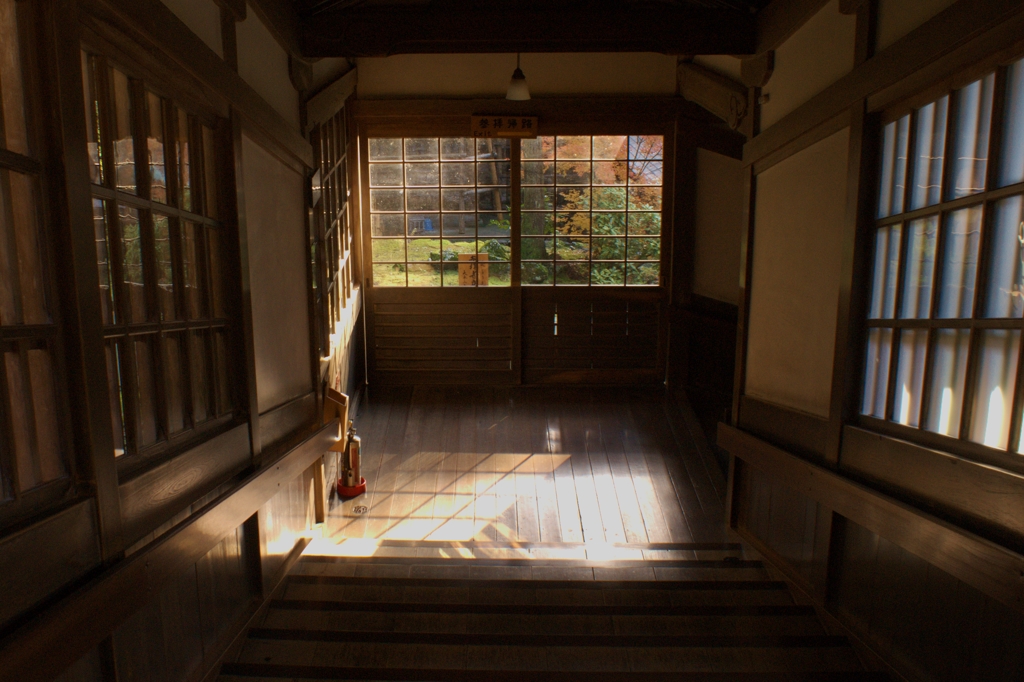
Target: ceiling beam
{"type": "Point", "coordinates": [282, 21]}
{"type": "Point", "coordinates": [464, 26]}
{"type": "Point", "coordinates": [721, 95]}
{"type": "Point", "coordinates": [780, 19]}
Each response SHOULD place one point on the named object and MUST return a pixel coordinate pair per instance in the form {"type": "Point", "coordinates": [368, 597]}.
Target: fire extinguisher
{"type": "Point", "coordinates": [351, 483]}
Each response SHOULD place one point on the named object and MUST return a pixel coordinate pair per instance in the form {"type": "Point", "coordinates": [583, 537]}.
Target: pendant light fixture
{"type": "Point", "coordinates": [517, 89]}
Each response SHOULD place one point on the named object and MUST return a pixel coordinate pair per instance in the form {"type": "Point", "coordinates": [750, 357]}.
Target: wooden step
{"type": "Point", "coordinates": [272, 673]}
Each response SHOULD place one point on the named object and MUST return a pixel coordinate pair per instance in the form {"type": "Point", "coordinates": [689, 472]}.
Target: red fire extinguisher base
{"type": "Point", "coordinates": [352, 491]}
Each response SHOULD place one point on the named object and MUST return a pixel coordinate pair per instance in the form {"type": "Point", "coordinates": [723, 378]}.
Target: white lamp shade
{"type": "Point", "coordinates": [517, 88]}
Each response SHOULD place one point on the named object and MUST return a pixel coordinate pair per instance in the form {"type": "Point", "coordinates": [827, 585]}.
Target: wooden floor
{"type": "Point", "coordinates": [540, 469]}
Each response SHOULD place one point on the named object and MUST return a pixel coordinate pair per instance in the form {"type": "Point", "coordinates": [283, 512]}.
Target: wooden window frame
{"type": "Point", "coordinates": [121, 333]}
{"type": "Point", "coordinates": [566, 121]}
{"type": "Point", "coordinates": [16, 504]}
{"type": "Point", "coordinates": [1006, 458]}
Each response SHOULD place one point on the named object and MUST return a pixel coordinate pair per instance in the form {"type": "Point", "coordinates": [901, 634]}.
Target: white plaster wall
{"type": "Point", "coordinates": [719, 226]}
{"type": "Point", "coordinates": [275, 216]}
{"type": "Point", "coordinates": [813, 58]}
{"type": "Point", "coordinates": [263, 64]}
{"type": "Point", "coordinates": [897, 18]}
{"type": "Point", "coordinates": [487, 75]}
{"type": "Point", "coordinates": [203, 18]}
{"type": "Point", "coordinates": [795, 282]}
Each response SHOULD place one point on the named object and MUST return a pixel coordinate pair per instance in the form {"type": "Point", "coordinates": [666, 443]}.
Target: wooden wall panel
{"type": "Point", "coordinates": [223, 587]}
{"type": "Point", "coordinates": [286, 419]}
{"type": "Point", "coordinates": [162, 642]}
{"type": "Point", "coordinates": [983, 498]}
{"type": "Point", "coordinates": [43, 558]}
{"type": "Point", "coordinates": [86, 669]}
{"type": "Point", "coordinates": [799, 432]}
{"type": "Point", "coordinates": [156, 496]}
{"type": "Point", "coordinates": [792, 526]}
{"type": "Point", "coordinates": [282, 520]}
{"type": "Point", "coordinates": [928, 622]}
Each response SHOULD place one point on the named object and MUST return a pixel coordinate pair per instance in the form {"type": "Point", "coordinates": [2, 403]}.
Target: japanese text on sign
{"type": "Point", "coordinates": [503, 126]}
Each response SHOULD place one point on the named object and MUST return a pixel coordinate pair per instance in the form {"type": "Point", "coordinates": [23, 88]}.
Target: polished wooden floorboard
{"type": "Point", "coordinates": [527, 465]}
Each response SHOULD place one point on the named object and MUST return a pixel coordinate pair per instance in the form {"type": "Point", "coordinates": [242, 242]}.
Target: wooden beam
{"type": "Point", "coordinates": [235, 7]}
{"type": "Point", "coordinates": [722, 96]}
{"type": "Point", "coordinates": [988, 567]}
{"type": "Point", "coordinates": [281, 19]}
{"type": "Point", "coordinates": [151, 23]}
{"type": "Point", "coordinates": [378, 31]}
{"type": "Point", "coordinates": [45, 646]}
{"type": "Point", "coordinates": [975, 28]}
{"type": "Point", "coordinates": [781, 19]}
{"type": "Point", "coordinates": [328, 101]}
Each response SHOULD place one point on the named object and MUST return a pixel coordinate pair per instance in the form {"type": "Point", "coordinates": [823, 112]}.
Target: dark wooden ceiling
{"type": "Point", "coordinates": [372, 28]}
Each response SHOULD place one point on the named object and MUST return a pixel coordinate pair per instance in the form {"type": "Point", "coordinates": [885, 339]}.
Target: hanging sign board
{"type": "Point", "coordinates": [503, 126]}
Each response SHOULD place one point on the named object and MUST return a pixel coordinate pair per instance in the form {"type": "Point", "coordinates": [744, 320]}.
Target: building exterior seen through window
{"type": "Point", "coordinates": [947, 285]}
{"type": "Point", "coordinates": [160, 250]}
{"type": "Point", "coordinates": [589, 211]}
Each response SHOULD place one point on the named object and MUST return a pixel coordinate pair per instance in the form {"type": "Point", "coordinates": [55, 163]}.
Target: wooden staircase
{"type": "Point", "coordinates": [420, 615]}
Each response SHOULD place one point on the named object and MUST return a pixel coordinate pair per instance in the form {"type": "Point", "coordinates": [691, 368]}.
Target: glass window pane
{"type": "Point", "coordinates": [423, 275]}
{"type": "Point", "coordinates": [457, 149]}
{"type": "Point", "coordinates": [887, 256]}
{"type": "Point", "coordinates": [1004, 295]}
{"type": "Point", "coordinates": [388, 275]}
{"type": "Point", "coordinates": [115, 380]}
{"type": "Point", "coordinates": [572, 273]}
{"type": "Point", "coordinates": [494, 225]}
{"type": "Point", "coordinates": [961, 237]}
{"type": "Point", "coordinates": [1012, 170]}
{"type": "Point", "coordinates": [217, 255]}
{"type": "Point", "coordinates": [572, 198]}
{"type": "Point", "coordinates": [22, 286]}
{"type": "Point", "coordinates": [572, 173]}
{"type": "Point", "coordinates": [538, 273]}
{"type": "Point", "coordinates": [910, 376]}
{"type": "Point", "coordinates": [385, 149]}
{"type": "Point", "coordinates": [497, 199]}
{"type": "Point", "coordinates": [493, 148]}
{"type": "Point", "coordinates": [385, 175]}
{"type": "Point", "coordinates": [612, 172]}
{"type": "Point", "coordinates": [184, 163]}
{"type": "Point", "coordinates": [210, 173]}
{"type": "Point", "coordinates": [147, 420]}
{"type": "Point", "coordinates": [643, 274]}
{"type": "Point", "coordinates": [191, 266]}
{"type": "Point", "coordinates": [131, 246]}
{"type": "Point", "coordinates": [421, 149]}
{"type": "Point", "coordinates": [609, 198]}
{"type": "Point", "coordinates": [422, 200]}
{"type": "Point", "coordinates": [124, 145]}
{"type": "Point", "coordinates": [539, 148]}
{"type": "Point", "coordinates": [174, 378]}
{"type": "Point", "coordinates": [608, 248]}
{"type": "Point", "coordinates": [929, 153]}
{"type": "Point", "coordinates": [155, 148]}
{"type": "Point", "coordinates": [645, 172]}
{"type": "Point", "coordinates": [994, 386]}
{"type": "Point", "coordinates": [538, 223]}
{"type": "Point", "coordinates": [459, 199]}
{"type": "Point", "coordinates": [572, 147]}
{"type": "Point", "coordinates": [646, 146]}
{"type": "Point", "coordinates": [611, 147]}
{"type": "Point", "coordinates": [970, 141]}
{"type": "Point", "coordinates": [876, 372]}
{"type": "Point", "coordinates": [99, 221]}
{"type": "Point", "coordinates": [920, 268]}
{"type": "Point", "coordinates": [388, 250]}
{"type": "Point", "coordinates": [92, 120]}
{"type": "Point", "coordinates": [200, 374]}
{"type": "Point", "coordinates": [538, 172]}
{"type": "Point", "coordinates": [423, 250]}
{"type": "Point", "coordinates": [605, 274]}
{"type": "Point", "coordinates": [458, 225]}
{"type": "Point", "coordinates": [948, 379]}
{"type": "Point", "coordinates": [387, 225]}
{"type": "Point", "coordinates": [454, 174]}
{"type": "Point", "coordinates": [421, 175]}
{"type": "Point", "coordinates": [19, 398]}
{"type": "Point", "coordinates": [645, 198]}
{"type": "Point", "coordinates": [568, 224]}
{"type": "Point", "coordinates": [387, 200]}
{"type": "Point", "coordinates": [12, 83]}
{"type": "Point", "coordinates": [225, 399]}
{"type": "Point", "coordinates": [609, 223]}
{"type": "Point", "coordinates": [534, 248]}
{"type": "Point", "coordinates": [538, 198]}
{"type": "Point", "coordinates": [164, 266]}
{"type": "Point", "coordinates": [895, 139]}
{"type": "Point", "coordinates": [644, 223]}
{"type": "Point", "coordinates": [493, 173]}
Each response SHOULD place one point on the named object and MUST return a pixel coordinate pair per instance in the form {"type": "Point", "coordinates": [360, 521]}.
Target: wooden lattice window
{"type": "Point", "coordinates": [946, 303]}
{"type": "Point", "coordinates": [161, 251]}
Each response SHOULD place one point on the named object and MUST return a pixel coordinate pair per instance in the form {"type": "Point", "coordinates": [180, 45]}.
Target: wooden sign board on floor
{"type": "Point", "coordinates": [473, 269]}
